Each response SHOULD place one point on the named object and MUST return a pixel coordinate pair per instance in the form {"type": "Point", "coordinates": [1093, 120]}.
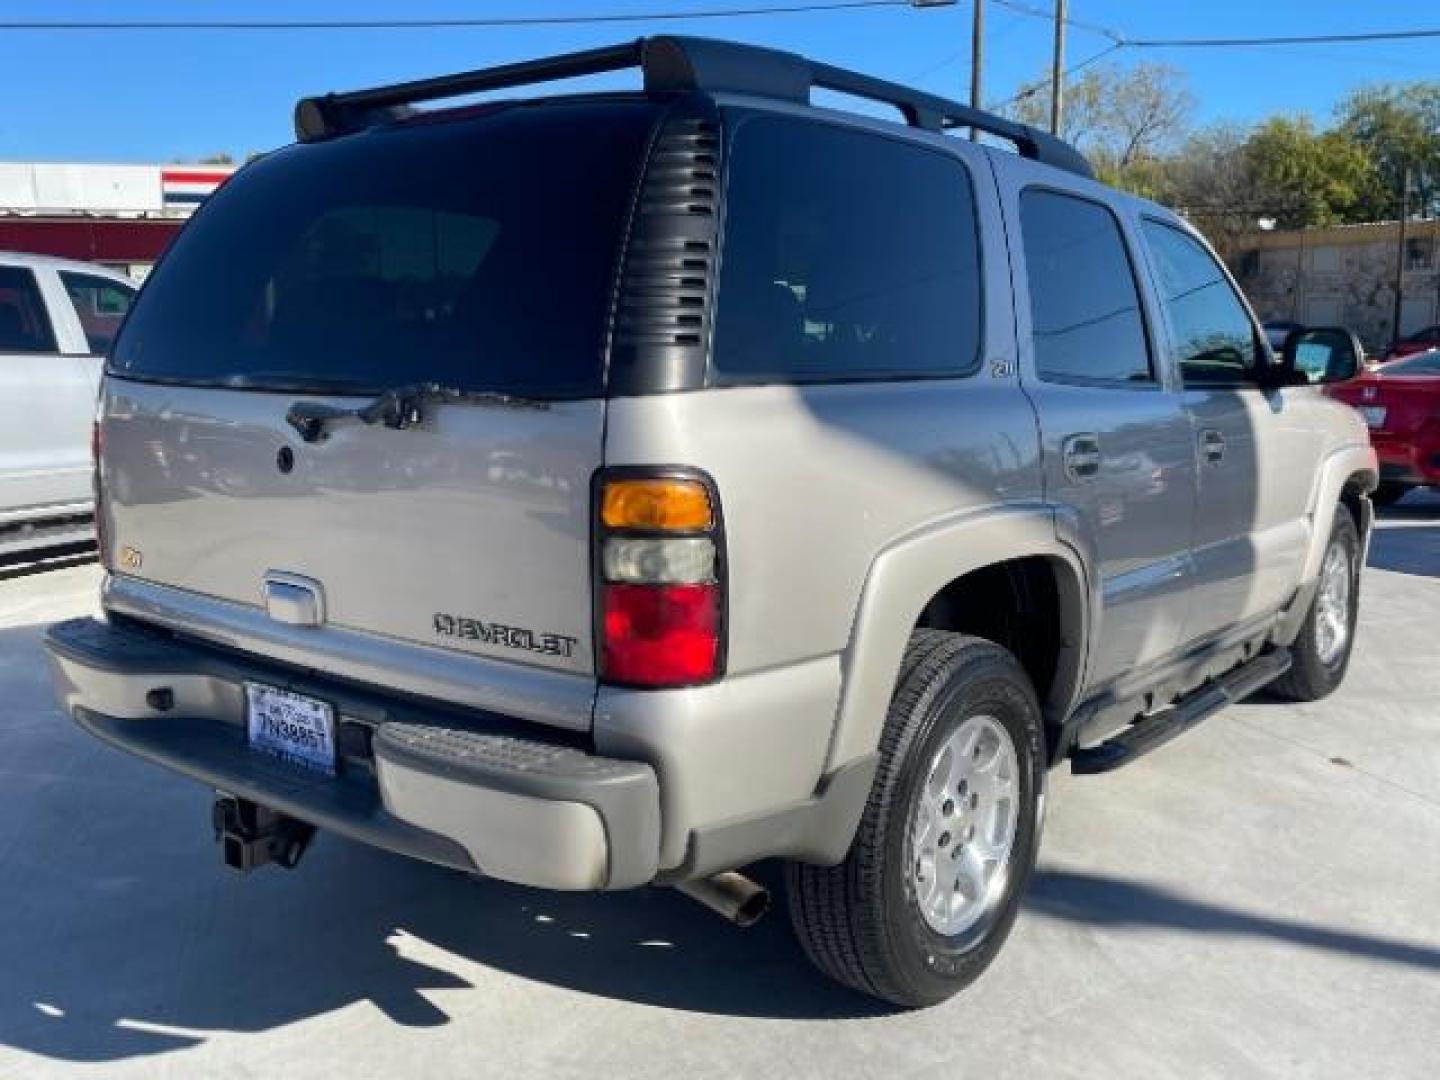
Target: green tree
{"type": "Point", "coordinates": [1397, 125]}
{"type": "Point", "coordinates": [1302, 177]}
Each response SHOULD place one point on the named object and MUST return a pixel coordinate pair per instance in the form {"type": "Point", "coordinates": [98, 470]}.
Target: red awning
{"type": "Point", "coordinates": [109, 240]}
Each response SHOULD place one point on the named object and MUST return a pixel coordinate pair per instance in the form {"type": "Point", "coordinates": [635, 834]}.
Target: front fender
{"type": "Point", "coordinates": [909, 572]}
{"type": "Point", "coordinates": [1336, 470]}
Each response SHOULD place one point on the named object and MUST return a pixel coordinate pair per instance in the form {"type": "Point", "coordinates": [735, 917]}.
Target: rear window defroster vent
{"type": "Point", "coordinates": [662, 310]}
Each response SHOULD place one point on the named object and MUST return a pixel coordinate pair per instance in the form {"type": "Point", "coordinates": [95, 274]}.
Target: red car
{"type": "Point", "coordinates": [1401, 404]}
{"type": "Point", "coordinates": [1418, 342]}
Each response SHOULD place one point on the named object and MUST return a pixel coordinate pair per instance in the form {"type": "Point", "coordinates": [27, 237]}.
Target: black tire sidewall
{"type": "Point", "coordinates": [932, 966]}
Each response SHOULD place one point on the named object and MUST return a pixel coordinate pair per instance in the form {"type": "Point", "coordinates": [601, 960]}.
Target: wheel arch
{"type": "Point", "coordinates": [1345, 478]}
{"type": "Point", "coordinates": [921, 579]}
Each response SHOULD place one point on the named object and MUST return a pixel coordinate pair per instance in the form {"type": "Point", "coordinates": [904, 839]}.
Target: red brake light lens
{"type": "Point", "coordinates": [661, 635]}
{"type": "Point", "coordinates": [660, 593]}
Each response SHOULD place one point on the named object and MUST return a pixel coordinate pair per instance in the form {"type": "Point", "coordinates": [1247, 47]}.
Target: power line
{"type": "Point", "coordinates": [497, 22]}
{"type": "Point", "coordinates": [1296, 39]}
{"type": "Point", "coordinates": [1042, 87]}
{"type": "Point", "coordinates": [1120, 41]}
{"type": "Point", "coordinates": [991, 37]}
{"type": "Point", "coordinates": [1049, 16]}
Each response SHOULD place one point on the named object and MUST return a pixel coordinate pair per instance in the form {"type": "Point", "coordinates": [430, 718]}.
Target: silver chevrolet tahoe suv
{"type": "Point", "coordinates": [617, 489]}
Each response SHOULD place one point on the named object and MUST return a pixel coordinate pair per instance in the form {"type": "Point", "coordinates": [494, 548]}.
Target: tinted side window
{"type": "Point", "coordinates": [846, 256]}
{"type": "Point", "coordinates": [1084, 304]}
{"type": "Point", "coordinates": [1215, 339]}
{"type": "Point", "coordinates": [101, 305]}
{"type": "Point", "coordinates": [24, 322]}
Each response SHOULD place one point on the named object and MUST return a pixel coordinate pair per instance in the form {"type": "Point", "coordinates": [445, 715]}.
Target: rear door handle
{"type": "Point", "coordinates": [1081, 456]}
{"type": "Point", "coordinates": [1212, 444]}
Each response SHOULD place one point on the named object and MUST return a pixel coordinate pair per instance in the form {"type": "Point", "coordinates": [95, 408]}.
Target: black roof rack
{"type": "Point", "coordinates": [683, 64]}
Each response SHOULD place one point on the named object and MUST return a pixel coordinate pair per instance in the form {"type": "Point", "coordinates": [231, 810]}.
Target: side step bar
{"type": "Point", "coordinates": [1155, 730]}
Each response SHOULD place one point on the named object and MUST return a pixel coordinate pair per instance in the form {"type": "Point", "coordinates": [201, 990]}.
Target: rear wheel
{"type": "Point", "coordinates": [1321, 652]}
{"type": "Point", "coordinates": [1389, 493]}
{"type": "Point", "coordinates": [933, 879]}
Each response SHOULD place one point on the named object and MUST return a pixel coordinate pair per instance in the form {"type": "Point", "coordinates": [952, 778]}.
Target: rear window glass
{"type": "Point", "coordinates": [473, 252]}
{"type": "Point", "coordinates": [846, 256]}
{"type": "Point", "coordinates": [101, 305]}
{"type": "Point", "coordinates": [1427, 363]}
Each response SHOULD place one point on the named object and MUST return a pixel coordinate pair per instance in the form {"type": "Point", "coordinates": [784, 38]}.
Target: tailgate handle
{"type": "Point", "coordinates": [292, 599]}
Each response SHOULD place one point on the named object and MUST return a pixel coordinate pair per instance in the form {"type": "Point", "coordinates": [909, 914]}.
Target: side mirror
{"type": "Point", "coordinates": [1321, 354]}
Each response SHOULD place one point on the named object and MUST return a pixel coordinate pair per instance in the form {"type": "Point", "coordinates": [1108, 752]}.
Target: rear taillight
{"type": "Point", "coordinates": [660, 595]}
{"type": "Point", "coordinates": [97, 484]}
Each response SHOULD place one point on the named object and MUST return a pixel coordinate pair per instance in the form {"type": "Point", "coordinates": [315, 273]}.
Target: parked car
{"type": "Point", "coordinates": [57, 320]}
{"type": "Point", "coordinates": [1420, 341]}
{"type": "Point", "coordinates": [1400, 402]}
{"type": "Point", "coordinates": [958, 465]}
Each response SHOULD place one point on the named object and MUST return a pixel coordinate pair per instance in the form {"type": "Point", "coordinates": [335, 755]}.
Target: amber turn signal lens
{"type": "Point", "coordinates": [656, 504]}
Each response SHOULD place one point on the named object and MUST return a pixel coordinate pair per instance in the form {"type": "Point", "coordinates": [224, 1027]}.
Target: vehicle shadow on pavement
{"type": "Point", "coordinates": [1113, 903]}
{"type": "Point", "coordinates": [121, 935]}
{"type": "Point", "coordinates": [1407, 538]}
{"type": "Point", "coordinates": [146, 960]}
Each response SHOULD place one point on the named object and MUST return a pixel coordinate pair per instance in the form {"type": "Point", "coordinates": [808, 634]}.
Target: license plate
{"type": "Point", "coordinates": [296, 728]}
{"type": "Point", "coordinates": [1374, 415]}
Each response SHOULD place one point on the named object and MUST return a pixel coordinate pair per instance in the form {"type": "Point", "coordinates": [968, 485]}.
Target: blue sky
{"type": "Point", "coordinates": [164, 96]}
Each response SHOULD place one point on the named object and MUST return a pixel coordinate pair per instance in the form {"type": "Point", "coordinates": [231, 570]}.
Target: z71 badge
{"type": "Point", "coordinates": [512, 637]}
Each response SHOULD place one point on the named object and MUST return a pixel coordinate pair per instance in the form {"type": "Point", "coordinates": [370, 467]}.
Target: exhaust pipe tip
{"type": "Point", "coordinates": [731, 895]}
{"type": "Point", "coordinates": [753, 910]}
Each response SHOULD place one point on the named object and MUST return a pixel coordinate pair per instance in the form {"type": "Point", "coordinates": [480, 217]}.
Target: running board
{"type": "Point", "coordinates": [1157, 729]}
{"type": "Point", "coordinates": [27, 536]}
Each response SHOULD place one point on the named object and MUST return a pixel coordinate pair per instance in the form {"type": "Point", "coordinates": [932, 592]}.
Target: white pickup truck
{"type": "Point", "coordinates": [57, 318]}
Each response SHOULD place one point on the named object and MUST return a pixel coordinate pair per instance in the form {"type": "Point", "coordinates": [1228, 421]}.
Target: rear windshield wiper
{"type": "Point", "coordinates": [399, 407]}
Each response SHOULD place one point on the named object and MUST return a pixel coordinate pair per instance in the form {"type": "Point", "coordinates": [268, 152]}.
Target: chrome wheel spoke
{"type": "Point", "coordinates": [970, 876]}
{"type": "Point", "coordinates": [1332, 604]}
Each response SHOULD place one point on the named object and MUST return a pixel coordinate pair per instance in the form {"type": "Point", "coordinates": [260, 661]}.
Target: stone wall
{"type": "Point", "coordinates": [1342, 276]}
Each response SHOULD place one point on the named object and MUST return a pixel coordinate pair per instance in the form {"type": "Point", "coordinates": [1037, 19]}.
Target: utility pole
{"type": "Point", "coordinates": [1057, 70]}
{"type": "Point", "coordinates": [1400, 251]}
{"type": "Point", "coordinates": [977, 61]}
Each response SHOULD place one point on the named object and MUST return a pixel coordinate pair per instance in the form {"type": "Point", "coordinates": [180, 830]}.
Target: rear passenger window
{"type": "Point", "coordinates": [101, 305]}
{"type": "Point", "coordinates": [1084, 304]}
{"type": "Point", "coordinates": [846, 256]}
{"type": "Point", "coordinates": [24, 324]}
{"type": "Point", "coordinates": [1214, 337]}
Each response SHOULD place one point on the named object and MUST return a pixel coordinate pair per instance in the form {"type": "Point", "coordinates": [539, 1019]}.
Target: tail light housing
{"type": "Point", "coordinates": [660, 592]}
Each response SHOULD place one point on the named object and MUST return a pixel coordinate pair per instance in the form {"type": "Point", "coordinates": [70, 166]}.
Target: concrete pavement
{"type": "Point", "coordinates": [1258, 899]}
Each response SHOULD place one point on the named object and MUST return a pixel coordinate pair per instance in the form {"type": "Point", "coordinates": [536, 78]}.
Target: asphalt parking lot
{"type": "Point", "coordinates": [1259, 899]}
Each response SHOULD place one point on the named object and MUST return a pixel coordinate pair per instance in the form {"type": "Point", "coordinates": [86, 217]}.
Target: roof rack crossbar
{"type": "Point", "coordinates": [681, 64]}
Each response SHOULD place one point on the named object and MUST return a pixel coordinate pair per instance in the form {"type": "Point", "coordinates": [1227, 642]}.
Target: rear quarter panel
{"type": "Point", "coordinates": [816, 481]}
